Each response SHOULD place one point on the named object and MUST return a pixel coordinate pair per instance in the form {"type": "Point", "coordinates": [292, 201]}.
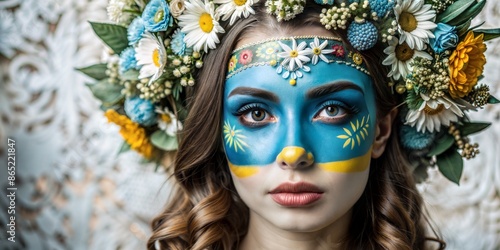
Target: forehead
{"type": "Point", "coordinates": [265, 77]}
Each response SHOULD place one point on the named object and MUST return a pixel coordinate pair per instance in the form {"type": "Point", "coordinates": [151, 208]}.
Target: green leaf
{"type": "Point", "coordinates": [124, 148]}
{"type": "Point", "coordinates": [107, 92]}
{"type": "Point", "coordinates": [130, 75]}
{"type": "Point", "coordinates": [454, 10]}
{"type": "Point", "coordinates": [96, 71]}
{"type": "Point", "coordinates": [115, 36]}
{"type": "Point", "coordinates": [441, 145]}
{"type": "Point", "coordinates": [493, 100]}
{"type": "Point", "coordinates": [473, 127]}
{"type": "Point", "coordinates": [161, 140]}
{"type": "Point", "coordinates": [488, 33]}
{"type": "Point", "coordinates": [451, 165]}
{"type": "Point", "coordinates": [463, 28]}
{"type": "Point", "coordinates": [469, 13]}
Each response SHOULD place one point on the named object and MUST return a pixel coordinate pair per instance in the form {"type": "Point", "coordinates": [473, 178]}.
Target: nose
{"type": "Point", "coordinates": [294, 157]}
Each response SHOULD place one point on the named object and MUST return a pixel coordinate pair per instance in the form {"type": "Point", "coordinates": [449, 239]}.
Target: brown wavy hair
{"type": "Point", "coordinates": [205, 211]}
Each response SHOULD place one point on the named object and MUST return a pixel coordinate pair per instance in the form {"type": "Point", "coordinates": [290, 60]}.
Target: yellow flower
{"type": "Point", "coordinates": [132, 132]}
{"type": "Point", "coordinates": [466, 65]}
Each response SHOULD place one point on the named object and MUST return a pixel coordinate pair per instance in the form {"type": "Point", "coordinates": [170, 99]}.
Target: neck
{"type": "Point", "coordinates": [263, 235]}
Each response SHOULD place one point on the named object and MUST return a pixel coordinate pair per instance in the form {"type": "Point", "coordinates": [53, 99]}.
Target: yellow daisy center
{"type": "Point", "coordinates": [206, 23]}
{"type": "Point", "coordinates": [156, 57]}
{"type": "Point", "coordinates": [317, 51]}
{"type": "Point", "coordinates": [240, 2]}
{"type": "Point", "coordinates": [159, 16]}
{"type": "Point", "coordinates": [232, 133]}
{"type": "Point", "coordinates": [294, 53]}
{"type": "Point", "coordinates": [404, 52]}
{"type": "Point", "coordinates": [430, 111]}
{"type": "Point", "coordinates": [166, 118]}
{"type": "Point", "coordinates": [408, 22]}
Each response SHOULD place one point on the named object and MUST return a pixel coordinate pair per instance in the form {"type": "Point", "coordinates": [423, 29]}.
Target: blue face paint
{"type": "Point", "coordinates": [330, 113]}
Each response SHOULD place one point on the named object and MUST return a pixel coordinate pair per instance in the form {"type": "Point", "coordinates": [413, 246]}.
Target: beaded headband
{"type": "Point", "coordinates": [435, 59]}
{"type": "Point", "coordinates": [292, 55]}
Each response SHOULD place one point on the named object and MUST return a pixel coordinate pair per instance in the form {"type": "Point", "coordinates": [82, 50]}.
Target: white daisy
{"type": "Point", "coordinates": [151, 56]}
{"type": "Point", "coordinates": [296, 55]}
{"type": "Point", "coordinates": [200, 24]}
{"type": "Point", "coordinates": [116, 11]}
{"type": "Point", "coordinates": [415, 22]}
{"type": "Point", "coordinates": [318, 51]}
{"type": "Point", "coordinates": [399, 57]}
{"type": "Point", "coordinates": [234, 9]}
{"type": "Point", "coordinates": [168, 122]}
{"type": "Point", "coordinates": [433, 113]}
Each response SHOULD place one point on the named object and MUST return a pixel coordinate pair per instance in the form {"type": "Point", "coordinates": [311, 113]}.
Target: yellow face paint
{"type": "Point", "coordinates": [356, 164]}
{"type": "Point", "coordinates": [243, 171]}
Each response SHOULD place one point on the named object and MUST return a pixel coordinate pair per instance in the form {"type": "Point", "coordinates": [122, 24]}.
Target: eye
{"type": "Point", "coordinates": [254, 115]}
{"type": "Point", "coordinates": [334, 112]}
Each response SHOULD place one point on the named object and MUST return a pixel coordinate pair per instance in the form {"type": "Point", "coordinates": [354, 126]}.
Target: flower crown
{"type": "Point", "coordinates": [434, 56]}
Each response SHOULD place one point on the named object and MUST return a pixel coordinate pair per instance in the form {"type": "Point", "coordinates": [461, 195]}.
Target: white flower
{"type": "Point", "coordinates": [176, 7]}
{"type": "Point", "coordinates": [200, 24]}
{"type": "Point", "coordinates": [318, 51]}
{"type": "Point", "coordinates": [296, 55]}
{"type": "Point", "coordinates": [399, 57]}
{"type": "Point", "coordinates": [415, 22]}
{"type": "Point", "coordinates": [151, 56]}
{"type": "Point", "coordinates": [433, 113]}
{"type": "Point", "coordinates": [10, 37]}
{"type": "Point", "coordinates": [235, 8]}
{"type": "Point", "coordinates": [168, 122]}
{"type": "Point", "coordinates": [116, 11]}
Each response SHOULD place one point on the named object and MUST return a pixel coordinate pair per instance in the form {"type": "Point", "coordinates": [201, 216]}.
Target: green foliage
{"type": "Point", "coordinates": [451, 165]}
{"type": "Point", "coordinates": [473, 127]}
{"type": "Point", "coordinates": [469, 14]}
{"type": "Point", "coordinates": [115, 36]}
{"type": "Point", "coordinates": [161, 140]}
{"type": "Point", "coordinates": [107, 92]}
{"type": "Point", "coordinates": [488, 33]}
{"type": "Point", "coordinates": [176, 91]}
{"type": "Point", "coordinates": [130, 75]}
{"type": "Point", "coordinates": [454, 12]}
{"type": "Point", "coordinates": [124, 148]}
{"type": "Point", "coordinates": [493, 100]}
{"type": "Point", "coordinates": [441, 145]}
{"type": "Point", "coordinates": [96, 71]}
{"type": "Point", "coordinates": [413, 100]}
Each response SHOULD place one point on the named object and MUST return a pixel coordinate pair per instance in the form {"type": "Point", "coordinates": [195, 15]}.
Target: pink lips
{"type": "Point", "coordinates": [296, 194]}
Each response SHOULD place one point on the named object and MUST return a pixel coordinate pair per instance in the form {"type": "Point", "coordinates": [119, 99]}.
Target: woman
{"type": "Point", "coordinates": [264, 161]}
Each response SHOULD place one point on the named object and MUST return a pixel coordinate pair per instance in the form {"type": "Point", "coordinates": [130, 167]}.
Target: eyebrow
{"type": "Point", "coordinates": [331, 88]}
{"type": "Point", "coordinates": [255, 92]}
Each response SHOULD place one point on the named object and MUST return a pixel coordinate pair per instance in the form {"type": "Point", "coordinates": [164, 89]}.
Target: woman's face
{"type": "Point", "coordinates": [299, 155]}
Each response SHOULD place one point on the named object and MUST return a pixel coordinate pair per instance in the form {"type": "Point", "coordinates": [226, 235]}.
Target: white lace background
{"type": "Point", "coordinates": [73, 193]}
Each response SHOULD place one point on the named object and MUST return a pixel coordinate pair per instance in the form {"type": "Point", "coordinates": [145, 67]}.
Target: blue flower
{"type": "Point", "coordinates": [135, 31]}
{"type": "Point", "coordinates": [412, 139]}
{"type": "Point", "coordinates": [324, 2]}
{"type": "Point", "coordinates": [127, 60]}
{"type": "Point", "coordinates": [140, 110]}
{"type": "Point", "coordinates": [178, 45]}
{"type": "Point", "coordinates": [362, 36]}
{"type": "Point", "coordinates": [156, 16]}
{"type": "Point", "coordinates": [445, 38]}
{"type": "Point", "coordinates": [381, 7]}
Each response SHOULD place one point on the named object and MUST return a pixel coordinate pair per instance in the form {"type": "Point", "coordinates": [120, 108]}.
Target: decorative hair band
{"type": "Point", "coordinates": [292, 55]}
{"type": "Point", "coordinates": [435, 60]}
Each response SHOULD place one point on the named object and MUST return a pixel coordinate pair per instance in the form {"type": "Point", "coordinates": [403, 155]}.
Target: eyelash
{"type": "Point", "coordinates": [247, 109]}
{"type": "Point", "coordinates": [349, 111]}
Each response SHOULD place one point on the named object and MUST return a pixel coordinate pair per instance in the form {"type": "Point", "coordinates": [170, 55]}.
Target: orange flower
{"type": "Point", "coordinates": [466, 65]}
{"type": "Point", "coordinates": [132, 133]}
